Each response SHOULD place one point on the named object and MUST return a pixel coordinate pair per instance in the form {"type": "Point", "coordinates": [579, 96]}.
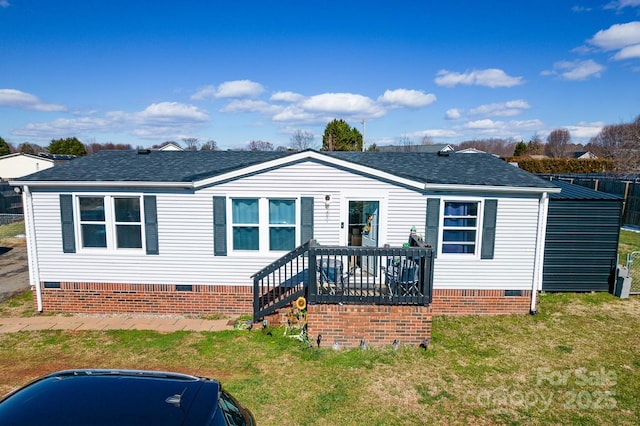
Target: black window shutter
{"type": "Point", "coordinates": [66, 218]}
{"type": "Point", "coordinates": [489, 229]}
{"type": "Point", "coordinates": [219, 226]}
{"type": "Point", "coordinates": [151, 224]}
{"type": "Point", "coordinates": [306, 219]}
{"type": "Point", "coordinates": [433, 222]}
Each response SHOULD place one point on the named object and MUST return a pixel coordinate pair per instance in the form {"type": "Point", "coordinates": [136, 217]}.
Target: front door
{"type": "Point", "coordinates": [363, 231]}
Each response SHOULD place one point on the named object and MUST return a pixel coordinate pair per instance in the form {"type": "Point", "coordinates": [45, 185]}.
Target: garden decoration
{"type": "Point", "coordinates": [297, 321]}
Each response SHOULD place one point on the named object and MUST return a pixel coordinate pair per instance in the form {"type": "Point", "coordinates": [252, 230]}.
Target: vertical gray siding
{"type": "Point", "coordinates": [581, 244]}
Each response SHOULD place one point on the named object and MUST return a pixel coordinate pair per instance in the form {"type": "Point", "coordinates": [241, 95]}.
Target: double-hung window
{"type": "Point", "coordinates": [282, 224]}
{"type": "Point", "coordinates": [128, 222]}
{"type": "Point", "coordinates": [93, 222]}
{"type": "Point", "coordinates": [246, 221]}
{"type": "Point", "coordinates": [261, 224]}
{"type": "Point", "coordinates": [110, 222]}
{"type": "Point", "coordinates": [460, 227]}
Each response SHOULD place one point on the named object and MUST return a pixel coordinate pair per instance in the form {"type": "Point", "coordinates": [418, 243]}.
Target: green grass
{"type": "Point", "coordinates": [576, 362]}
{"type": "Point", "coordinates": [11, 230]}
{"type": "Point", "coordinates": [629, 242]}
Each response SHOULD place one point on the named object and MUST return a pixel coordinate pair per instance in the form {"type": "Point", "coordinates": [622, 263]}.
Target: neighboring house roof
{"type": "Point", "coordinates": [584, 155]}
{"type": "Point", "coordinates": [57, 157]}
{"type": "Point", "coordinates": [201, 168]}
{"type": "Point", "coordinates": [442, 147]}
{"type": "Point", "coordinates": [470, 151]}
{"type": "Point", "coordinates": [19, 164]}
{"type": "Point", "coordinates": [170, 146]}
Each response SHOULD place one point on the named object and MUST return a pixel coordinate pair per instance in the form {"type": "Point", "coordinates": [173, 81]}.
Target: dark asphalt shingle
{"type": "Point", "coordinates": [189, 166]}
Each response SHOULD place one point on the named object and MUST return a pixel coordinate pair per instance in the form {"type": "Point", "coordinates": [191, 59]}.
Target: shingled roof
{"type": "Point", "coordinates": [191, 166]}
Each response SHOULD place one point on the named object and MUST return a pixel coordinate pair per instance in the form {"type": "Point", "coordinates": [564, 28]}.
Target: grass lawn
{"type": "Point", "coordinates": [8, 234]}
{"type": "Point", "coordinates": [576, 362]}
{"type": "Point", "coordinates": [629, 241]}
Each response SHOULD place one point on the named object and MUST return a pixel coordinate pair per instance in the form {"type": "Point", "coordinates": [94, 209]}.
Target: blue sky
{"type": "Point", "coordinates": [146, 72]}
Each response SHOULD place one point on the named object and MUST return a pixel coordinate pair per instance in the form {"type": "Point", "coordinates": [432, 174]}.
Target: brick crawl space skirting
{"type": "Point", "coordinates": [348, 324]}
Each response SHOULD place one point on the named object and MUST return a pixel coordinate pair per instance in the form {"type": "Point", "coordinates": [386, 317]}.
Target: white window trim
{"type": "Point", "coordinates": [263, 224]}
{"type": "Point", "coordinates": [110, 223]}
{"type": "Point", "coordinates": [479, 227]}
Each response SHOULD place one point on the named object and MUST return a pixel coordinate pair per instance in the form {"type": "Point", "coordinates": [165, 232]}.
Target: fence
{"type": "Point", "coordinates": [10, 201]}
{"type": "Point", "coordinates": [6, 218]}
{"type": "Point", "coordinates": [628, 189]}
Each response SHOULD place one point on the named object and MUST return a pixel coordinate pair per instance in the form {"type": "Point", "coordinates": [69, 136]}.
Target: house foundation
{"type": "Point", "coordinates": [346, 324]}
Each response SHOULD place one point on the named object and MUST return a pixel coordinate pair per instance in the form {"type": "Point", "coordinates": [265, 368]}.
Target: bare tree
{"type": "Point", "coordinates": [496, 146]}
{"type": "Point", "coordinates": [260, 146]}
{"type": "Point", "coordinates": [191, 144]}
{"type": "Point", "coordinates": [535, 146]}
{"type": "Point", "coordinates": [301, 140]}
{"type": "Point", "coordinates": [94, 147]}
{"type": "Point", "coordinates": [427, 140]}
{"type": "Point", "coordinates": [621, 143]}
{"type": "Point", "coordinates": [557, 143]}
{"type": "Point", "coordinates": [405, 143]}
{"type": "Point", "coordinates": [209, 145]}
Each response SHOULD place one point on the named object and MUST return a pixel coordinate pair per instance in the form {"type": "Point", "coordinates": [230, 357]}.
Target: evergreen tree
{"type": "Point", "coordinates": [339, 136]}
{"type": "Point", "coordinates": [67, 146]}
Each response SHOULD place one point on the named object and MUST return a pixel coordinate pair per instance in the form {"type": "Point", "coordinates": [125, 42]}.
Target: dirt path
{"type": "Point", "coordinates": [14, 272]}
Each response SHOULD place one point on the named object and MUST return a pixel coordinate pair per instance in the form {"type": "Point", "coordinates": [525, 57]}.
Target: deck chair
{"type": "Point", "coordinates": [402, 277]}
{"type": "Point", "coordinates": [331, 276]}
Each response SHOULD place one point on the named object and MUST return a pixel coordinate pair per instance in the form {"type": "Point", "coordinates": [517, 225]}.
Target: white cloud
{"type": "Point", "coordinates": [208, 92]}
{"type": "Point", "coordinates": [406, 98]}
{"type": "Point", "coordinates": [64, 127]}
{"type": "Point", "coordinates": [158, 120]}
{"type": "Point", "coordinates": [492, 77]}
{"type": "Point", "coordinates": [343, 103]}
{"type": "Point", "coordinates": [628, 53]}
{"type": "Point", "coordinates": [239, 89]}
{"type": "Point", "coordinates": [433, 133]}
{"type": "Point", "coordinates": [171, 112]}
{"type": "Point", "coordinates": [453, 114]}
{"type": "Point", "coordinates": [250, 105]}
{"type": "Point", "coordinates": [513, 128]}
{"type": "Point", "coordinates": [504, 109]}
{"type": "Point", "coordinates": [4, 3]}
{"type": "Point", "coordinates": [576, 70]}
{"type": "Point", "coordinates": [621, 4]}
{"type": "Point", "coordinates": [286, 97]}
{"type": "Point", "coordinates": [483, 124]}
{"type": "Point", "coordinates": [17, 99]}
{"type": "Point", "coordinates": [617, 36]}
{"type": "Point", "coordinates": [584, 130]}
{"type": "Point", "coordinates": [292, 109]}
{"type": "Point", "coordinates": [229, 89]}
{"type": "Point", "coordinates": [293, 114]}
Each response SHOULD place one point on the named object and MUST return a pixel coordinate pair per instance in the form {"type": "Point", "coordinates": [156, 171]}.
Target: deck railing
{"type": "Point", "coordinates": [346, 275]}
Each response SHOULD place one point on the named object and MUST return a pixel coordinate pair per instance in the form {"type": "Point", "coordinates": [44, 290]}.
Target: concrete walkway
{"type": "Point", "coordinates": [161, 324]}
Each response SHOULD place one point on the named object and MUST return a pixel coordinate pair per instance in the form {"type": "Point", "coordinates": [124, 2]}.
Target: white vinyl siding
{"type": "Point", "coordinates": [185, 233]}
{"type": "Point", "coordinates": [513, 263]}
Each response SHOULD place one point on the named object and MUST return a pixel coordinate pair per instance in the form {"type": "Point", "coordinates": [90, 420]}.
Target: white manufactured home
{"type": "Point", "coordinates": [188, 232]}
